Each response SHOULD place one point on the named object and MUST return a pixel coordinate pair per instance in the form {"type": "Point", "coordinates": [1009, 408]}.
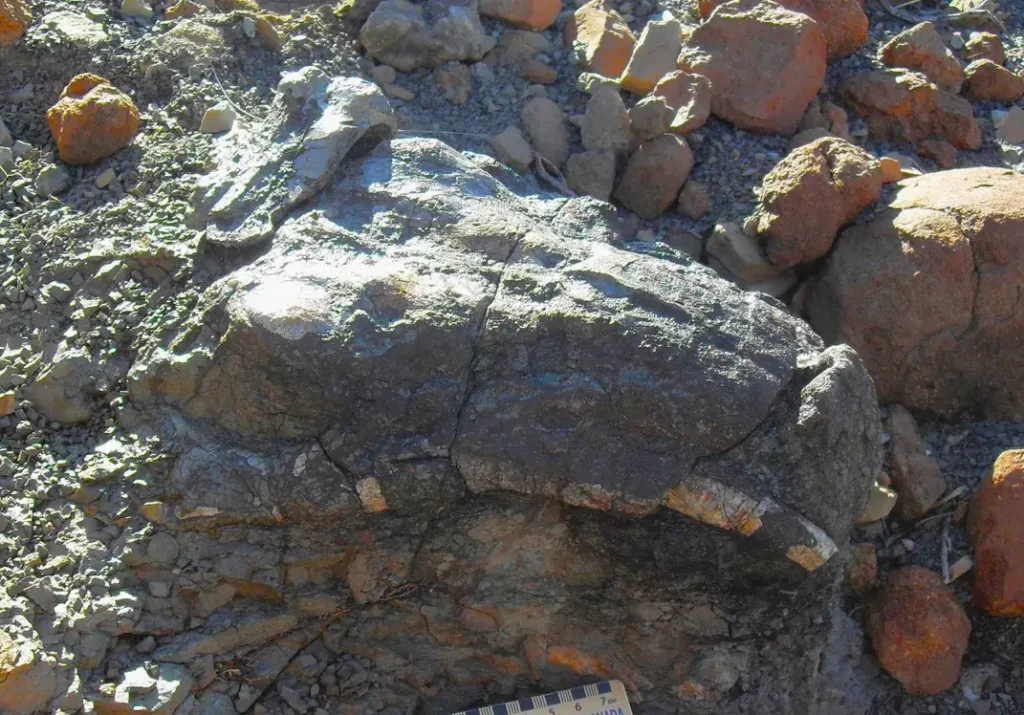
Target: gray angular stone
{"type": "Point", "coordinates": [312, 125]}
{"type": "Point", "coordinates": [407, 35]}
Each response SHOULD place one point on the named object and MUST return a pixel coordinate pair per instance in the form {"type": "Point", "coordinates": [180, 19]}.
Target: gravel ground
{"type": "Point", "coordinates": [101, 268]}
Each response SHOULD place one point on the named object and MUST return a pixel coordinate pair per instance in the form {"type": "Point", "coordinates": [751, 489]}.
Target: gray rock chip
{"type": "Point", "coordinates": [52, 180]}
{"type": "Point", "coordinates": [70, 388]}
{"type": "Point", "coordinates": [263, 172]}
{"type": "Point", "coordinates": [437, 333]}
{"type": "Point", "coordinates": [407, 35]}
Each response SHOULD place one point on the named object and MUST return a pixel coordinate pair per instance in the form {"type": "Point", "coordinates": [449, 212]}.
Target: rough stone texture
{"type": "Point", "coordinates": [530, 14]}
{"type": "Point", "coordinates": [27, 677]}
{"type": "Point", "coordinates": [548, 131]}
{"type": "Point", "coordinates": [605, 126]}
{"type": "Point", "coordinates": [591, 173]}
{"type": "Point", "coordinates": [989, 82]}
{"type": "Point", "coordinates": [15, 16]}
{"type": "Point", "coordinates": [654, 55]}
{"type": "Point", "coordinates": [927, 293]}
{"type": "Point", "coordinates": [996, 530]}
{"type": "Point", "coordinates": [156, 690]}
{"type": "Point", "coordinates": [407, 35]}
{"type": "Point", "coordinates": [694, 201]}
{"type": "Point", "coordinates": [679, 103]}
{"type": "Point", "coordinates": [755, 91]}
{"type": "Point", "coordinates": [862, 568]}
{"type": "Point", "coordinates": [71, 386]}
{"type": "Point", "coordinates": [985, 46]}
{"type": "Point", "coordinates": [571, 460]}
{"type": "Point", "coordinates": [92, 120]}
{"type": "Point", "coordinates": [921, 49]}
{"type": "Point", "coordinates": [919, 631]}
{"type": "Point", "coordinates": [812, 193]}
{"type": "Point", "coordinates": [273, 321]}
{"type": "Point", "coordinates": [313, 124]}
{"type": "Point", "coordinates": [843, 22]}
{"type": "Point", "coordinates": [601, 39]}
{"type": "Point", "coordinates": [654, 174]}
{"type": "Point", "coordinates": [903, 106]}
{"type": "Point", "coordinates": [942, 153]}
{"type": "Point", "coordinates": [916, 476]}
{"type": "Point", "coordinates": [455, 81]}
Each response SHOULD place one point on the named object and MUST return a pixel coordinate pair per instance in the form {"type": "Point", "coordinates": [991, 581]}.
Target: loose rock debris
{"type": "Point", "coordinates": [385, 357]}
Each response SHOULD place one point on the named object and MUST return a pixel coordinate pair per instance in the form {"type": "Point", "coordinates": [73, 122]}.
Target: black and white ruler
{"type": "Point", "coordinates": [605, 698]}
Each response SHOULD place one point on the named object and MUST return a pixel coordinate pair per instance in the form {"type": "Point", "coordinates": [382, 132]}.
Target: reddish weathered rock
{"type": "Point", "coordinates": [920, 48]}
{"type": "Point", "coordinates": [654, 175]}
{"type": "Point", "coordinates": [916, 477]}
{"type": "Point", "coordinates": [989, 82]}
{"type": "Point", "coordinates": [689, 97]}
{"type": "Point", "coordinates": [862, 568]}
{"type": "Point", "coordinates": [694, 201]}
{"type": "Point", "coordinates": [601, 38]}
{"type": "Point", "coordinates": [530, 14]}
{"type": "Point", "coordinates": [942, 153]}
{"type": "Point", "coordinates": [918, 630]}
{"type": "Point", "coordinates": [828, 116]}
{"type": "Point", "coordinates": [927, 292]}
{"type": "Point", "coordinates": [92, 120]}
{"type": "Point", "coordinates": [757, 90]}
{"type": "Point", "coordinates": [985, 46]}
{"type": "Point", "coordinates": [843, 22]}
{"type": "Point", "coordinates": [812, 193]}
{"type": "Point", "coordinates": [654, 56]}
{"type": "Point", "coordinates": [15, 15]}
{"type": "Point", "coordinates": [903, 106]}
{"type": "Point", "coordinates": [996, 529]}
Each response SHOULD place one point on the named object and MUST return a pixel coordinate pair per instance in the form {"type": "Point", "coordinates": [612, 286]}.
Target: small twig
{"type": "Point", "coordinates": [229, 100]}
{"type": "Point", "coordinates": [550, 174]}
{"type": "Point", "coordinates": [945, 548]}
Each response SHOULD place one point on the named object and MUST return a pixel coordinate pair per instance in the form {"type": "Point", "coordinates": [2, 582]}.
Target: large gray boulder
{"type": "Point", "coordinates": [418, 316]}
{"type": "Point", "coordinates": [503, 450]}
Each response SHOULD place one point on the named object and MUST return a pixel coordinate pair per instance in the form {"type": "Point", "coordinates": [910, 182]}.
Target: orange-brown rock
{"type": "Point", "coordinates": [15, 16]}
{"type": "Point", "coordinates": [996, 529]}
{"type": "Point", "coordinates": [757, 90]}
{"type": "Point", "coordinates": [654, 56]}
{"type": "Point", "coordinates": [843, 22]}
{"type": "Point", "coordinates": [989, 82]}
{"type": "Point", "coordinates": [862, 567]}
{"type": "Point", "coordinates": [942, 153]}
{"type": "Point", "coordinates": [183, 8]}
{"type": "Point", "coordinates": [689, 96]}
{"type": "Point", "coordinates": [919, 630]}
{"type": "Point", "coordinates": [530, 14]}
{"type": "Point", "coordinates": [813, 192]}
{"type": "Point", "coordinates": [92, 120]}
{"type": "Point", "coordinates": [903, 106]}
{"type": "Point", "coordinates": [920, 48]}
{"type": "Point", "coordinates": [928, 293]}
{"type": "Point", "coordinates": [916, 476]}
{"type": "Point", "coordinates": [601, 38]}
{"type": "Point", "coordinates": [985, 46]}
{"type": "Point", "coordinates": [654, 175]}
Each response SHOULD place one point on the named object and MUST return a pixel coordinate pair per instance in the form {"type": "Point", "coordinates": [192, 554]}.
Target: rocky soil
{"type": "Point", "coordinates": [353, 368]}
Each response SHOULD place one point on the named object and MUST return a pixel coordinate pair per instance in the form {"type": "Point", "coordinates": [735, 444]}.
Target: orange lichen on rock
{"type": "Point", "coordinates": [92, 120]}
{"type": "Point", "coordinates": [919, 630]}
{"type": "Point", "coordinates": [996, 529]}
{"type": "Point", "coordinates": [14, 18]}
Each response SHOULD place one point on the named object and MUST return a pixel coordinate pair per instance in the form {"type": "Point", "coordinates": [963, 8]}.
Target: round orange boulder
{"type": "Point", "coordinates": [92, 120]}
{"type": "Point", "coordinates": [919, 630]}
{"type": "Point", "coordinates": [15, 16]}
{"type": "Point", "coordinates": [996, 529]}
